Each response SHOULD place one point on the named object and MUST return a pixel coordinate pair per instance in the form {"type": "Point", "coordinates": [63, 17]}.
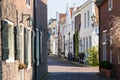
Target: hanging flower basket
{"type": "Point", "coordinates": [22, 66]}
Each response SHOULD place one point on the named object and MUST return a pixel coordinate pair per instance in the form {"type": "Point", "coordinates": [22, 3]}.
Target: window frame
{"type": "Point", "coordinates": [104, 46]}
{"type": "Point", "coordinates": [110, 5]}
{"type": "Point", "coordinates": [119, 55]}
{"type": "Point", "coordinates": [28, 3]}
{"type": "Point", "coordinates": [10, 59]}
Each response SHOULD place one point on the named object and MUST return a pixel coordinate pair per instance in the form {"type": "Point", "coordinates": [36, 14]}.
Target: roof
{"type": "Point", "coordinates": [61, 15]}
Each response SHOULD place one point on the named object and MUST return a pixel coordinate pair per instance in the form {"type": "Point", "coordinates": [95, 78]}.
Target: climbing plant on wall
{"type": "Point", "coordinates": [76, 43]}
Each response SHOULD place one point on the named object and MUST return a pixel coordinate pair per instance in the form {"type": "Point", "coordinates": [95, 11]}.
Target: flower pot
{"type": "Point", "coordinates": [102, 71]}
{"type": "Point", "coordinates": [108, 73]}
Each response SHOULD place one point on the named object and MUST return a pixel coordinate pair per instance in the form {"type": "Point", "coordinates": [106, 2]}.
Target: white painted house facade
{"type": "Point", "coordinates": [88, 34]}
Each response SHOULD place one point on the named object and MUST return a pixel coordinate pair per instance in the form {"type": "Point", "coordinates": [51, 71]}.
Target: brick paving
{"type": "Point", "coordinates": [61, 70]}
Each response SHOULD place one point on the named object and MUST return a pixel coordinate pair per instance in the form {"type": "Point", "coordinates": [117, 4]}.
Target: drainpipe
{"type": "Point", "coordinates": [34, 27]}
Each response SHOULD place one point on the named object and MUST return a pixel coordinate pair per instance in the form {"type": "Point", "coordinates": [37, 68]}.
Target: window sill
{"type": "Point", "coordinates": [10, 60]}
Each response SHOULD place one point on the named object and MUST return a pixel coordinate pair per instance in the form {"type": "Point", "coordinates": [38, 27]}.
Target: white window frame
{"type": "Point", "coordinates": [110, 5]}
{"type": "Point", "coordinates": [11, 42]}
{"type": "Point", "coordinates": [21, 29]}
{"type": "Point", "coordinates": [104, 51]}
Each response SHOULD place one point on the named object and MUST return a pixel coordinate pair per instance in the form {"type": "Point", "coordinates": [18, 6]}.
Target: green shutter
{"type": "Point", "coordinates": [32, 47]}
{"type": "Point", "coordinates": [26, 46]}
{"type": "Point", "coordinates": [17, 46]}
{"type": "Point", "coordinates": [5, 48]}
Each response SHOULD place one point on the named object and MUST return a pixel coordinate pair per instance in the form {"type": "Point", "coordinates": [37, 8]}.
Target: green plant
{"type": "Point", "coordinates": [93, 56]}
{"type": "Point", "coordinates": [62, 53]}
{"type": "Point", "coordinates": [105, 65]}
{"type": "Point", "coordinates": [76, 43]}
{"type": "Point", "coordinates": [81, 55]}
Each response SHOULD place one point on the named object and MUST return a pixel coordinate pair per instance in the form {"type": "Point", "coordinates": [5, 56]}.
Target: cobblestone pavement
{"type": "Point", "coordinates": [61, 70]}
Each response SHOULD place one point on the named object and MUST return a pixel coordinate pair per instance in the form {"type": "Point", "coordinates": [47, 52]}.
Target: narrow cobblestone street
{"type": "Point", "coordinates": [61, 70]}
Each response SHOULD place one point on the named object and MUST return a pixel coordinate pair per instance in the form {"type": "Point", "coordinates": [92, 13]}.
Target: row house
{"type": "Point", "coordinates": [60, 35]}
{"type": "Point", "coordinates": [68, 31]}
{"type": "Point", "coordinates": [17, 40]}
{"type": "Point", "coordinates": [51, 27]}
{"type": "Point", "coordinates": [88, 29]}
{"type": "Point", "coordinates": [62, 24]}
{"type": "Point", "coordinates": [109, 15]}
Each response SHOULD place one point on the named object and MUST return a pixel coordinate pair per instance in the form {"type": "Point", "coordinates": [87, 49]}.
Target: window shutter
{"type": "Point", "coordinates": [17, 46]}
{"type": "Point", "coordinates": [5, 49]}
{"type": "Point", "coordinates": [32, 46]}
{"type": "Point", "coordinates": [26, 46]}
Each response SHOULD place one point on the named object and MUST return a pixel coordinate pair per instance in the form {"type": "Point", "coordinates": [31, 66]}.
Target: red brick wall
{"type": "Point", "coordinates": [78, 22]}
{"type": "Point", "coordinates": [110, 19]}
{"type": "Point", "coordinates": [10, 71]}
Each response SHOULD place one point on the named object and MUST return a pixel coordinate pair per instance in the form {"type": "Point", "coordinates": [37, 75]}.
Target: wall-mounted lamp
{"type": "Point", "coordinates": [93, 18]}
{"type": "Point", "coordinates": [29, 19]}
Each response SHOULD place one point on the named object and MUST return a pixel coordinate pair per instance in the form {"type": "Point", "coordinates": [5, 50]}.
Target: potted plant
{"type": "Point", "coordinates": [22, 66]}
{"type": "Point", "coordinates": [106, 68]}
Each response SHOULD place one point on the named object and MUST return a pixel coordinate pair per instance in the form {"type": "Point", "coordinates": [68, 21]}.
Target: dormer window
{"type": "Point", "coordinates": [110, 6]}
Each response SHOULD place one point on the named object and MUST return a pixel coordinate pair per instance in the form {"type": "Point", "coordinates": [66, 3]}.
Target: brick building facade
{"type": "Point", "coordinates": [41, 25]}
{"type": "Point", "coordinates": [109, 15]}
{"type": "Point", "coordinates": [17, 40]}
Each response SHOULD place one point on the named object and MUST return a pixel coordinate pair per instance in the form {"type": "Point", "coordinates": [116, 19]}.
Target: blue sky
{"type": "Point", "coordinates": [60, 6]}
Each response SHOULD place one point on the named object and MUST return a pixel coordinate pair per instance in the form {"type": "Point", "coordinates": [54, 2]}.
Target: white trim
{"type": "Point", "coordinates": [9, 22]}
{"type": "Point", "coordinates": [110, 2]}
{"type": "Point", "coordinates": [104, 31]}
{"type": "Point", "coordinates": [10, 59]}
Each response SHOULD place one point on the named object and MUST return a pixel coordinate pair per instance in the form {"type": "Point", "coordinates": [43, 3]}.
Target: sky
{"type": "Point", "coordinates": [60, 6]}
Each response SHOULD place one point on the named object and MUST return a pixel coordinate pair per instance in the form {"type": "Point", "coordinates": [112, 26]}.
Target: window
{"type": "Point", "coordinates": [104, 44]}
{"type": "Point", "coordinates": [7, 41]}
{"type": "Point", "coordinates": [28, 2]}
{"type": "Point", "coordinates": [86, 42]}
{"type": "Point", "coordinates": [41, 48]}
{"type": "Point", "coordinates": [88, 19]}
{"type": "Point", "coordinates": [37, 46]}
{"type": "Point", "coordinates": [119, 55]}
{"type": "Point", "coordinates": [111, 35]}
{"type": "Point", "coordinates": [90, 42]}
{"type": "Point", "coordinates": [110, 56]}
{"type": "Point", "coordinates": [110, 5]}
{"type": "Point", "coordinates": [27, 47]}
{"type": "Point", "coordinates": [85, 20]}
